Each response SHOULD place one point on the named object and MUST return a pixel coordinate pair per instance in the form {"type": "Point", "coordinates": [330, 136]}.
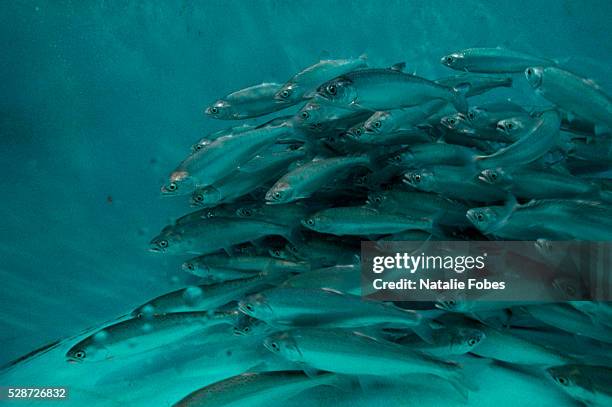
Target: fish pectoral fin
{"type": "Point", "coordinates": [399, 67]}
{"type": "Point", "coordinates": [425, 332]}
{"type": "Point", "coordinates": [310, 371]}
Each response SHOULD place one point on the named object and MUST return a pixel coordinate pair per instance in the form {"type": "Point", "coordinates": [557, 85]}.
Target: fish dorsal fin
{"type": "Point", "coordinates": [399, 67]}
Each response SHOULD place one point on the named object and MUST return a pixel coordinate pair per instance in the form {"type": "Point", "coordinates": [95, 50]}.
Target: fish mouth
{"type": "Point", "coordinates": [165, 191]}
{"type": "Point", "coordinates": [268, 345]}
{"type": "Point", "coordinates": [471, 216]}
{"type": "Point", "coordinates": [270, 200]}
{"type": "Point", "coordinates": [242, 307]}
{"type": "Point", "coordinates": [154, 247]}
{"type": "Point", "coordinates": [72, 360]}
{"type": "Point", "coordinates": [483, 178]}
{"type": "Point", "coordinates": [313, 94]}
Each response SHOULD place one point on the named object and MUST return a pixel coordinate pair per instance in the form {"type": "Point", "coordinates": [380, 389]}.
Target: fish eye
{"type": "Point", "coordinates": [331, 89]}
{"type": "Point", "coordinates": [451, 121]}
{"type": "Point", "coordinates": [529, 71]}
{"type": "Point", "coordinates": [397, 158]}
{"type": "Point", "coordinates": [417, 178]}
{"type": "Point", "coordinates": [189, 266]}
{"type": "Point", "coordinates": [310, 222]}
{"type": "Point", "coordinates": [284, 94]}
{"type": "Point", "coordinates": [451, 302]}
{"type": "Point", "coordinates": [246, 329]}
{"type": "Point", "coordinates": [376, 124]}
{"type": "Point", "coordinates": [304, 115]}
{"type": "Point", "coordinates": [493, 176]}
{"type": "Point", "coordinates": [449, 59]}
{"type": "Point", "coordinates": [214, 110]}
{"type": "Point", "coordinates": [171, 187]}
{"type": "Point", "coordinates": [80, 354]}
{"type": "Point", "coordinates": [472, 341]}
{"type": "Point", "coordinates": [563, 381]}
{"type": "Point", "coordinates": [358, 131]}
{"type": "Point", "coordinates": [509, 125]}
{"type": "Point", "coordinates": [480, 217]}
{"type": "Point", "coordinates": [163, 243]}
{"type": "Point", "coordinates": [277, 195]}
{"type": "Point", "coordinates": [276, 252]}
{"type": "Point", "coordinates": [198, 147]}
{"type": "Point", "coordinates": [199, 198]}
{"type": "Point", "coordinates": [378, 199]}
{"type": "Point", "coordinates": [249, 307]}
{"type": "Point", "coordinates": [471, 115]}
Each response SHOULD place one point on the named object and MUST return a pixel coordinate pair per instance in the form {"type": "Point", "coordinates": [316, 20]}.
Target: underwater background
{"type": "Point", "coordinates": [101, 99]}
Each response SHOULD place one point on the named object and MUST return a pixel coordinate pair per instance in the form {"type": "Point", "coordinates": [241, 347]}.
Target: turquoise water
{"type": "Point", "coordinates": [100, 100]}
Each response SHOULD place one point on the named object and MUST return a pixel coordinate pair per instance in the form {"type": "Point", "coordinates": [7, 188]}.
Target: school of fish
{"type": "Point", "coordinates": [358, 153]}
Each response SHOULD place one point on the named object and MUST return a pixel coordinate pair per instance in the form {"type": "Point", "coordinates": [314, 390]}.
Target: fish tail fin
{"type": "Point", "coordinates": [459, 97]}
{"type": "Point", "coordinates": [461, 383]}
{"type": "Point", "coordinates": [294, 236]}
{"type": "Point", "coordinates": [606, 196]}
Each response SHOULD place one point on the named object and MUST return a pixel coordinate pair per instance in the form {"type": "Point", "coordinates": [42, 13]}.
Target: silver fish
{"type": "Point", "coordinates": [532, 184]}
{"type": "Point", "coordinates": [205, 297]}
{"type": "Point", "coordinates": [555, 219]}
{"type": "Point", "coordinates": [453, 182]}
{"type": "Point", "coordinates": [444, 210]}
{"type": "Point", "coordinates": [351, 353]}
{"type": "Point", "coordinates": [216, 266]}
{"type": "Point", "coordinates": [308, 79]}
{"type": "Point", "coordinates": [355, 220]}
{"type": "Point", "coordinates": [320, 307]}
{"type": "Point", "coordinates": [446, 342]}
{"type": "Point", "coordinates": [307, 179]}
{"type": "Point", "coordinates": [479, 84]}
{"type": "Point", "coordinates": [255, 389]}
{"type": "Point", "coordinates": [212, 234]}
{"type": "Point", "coordinates": [572, 93]}
{"type": "Point", "coordinates": [542, 137]}
{"type": "Point", "coordinates": [492, 60]}
{"type": "Point", "coordinates": [140, 334]}
{"type": "Point", "coordinates": [434, 154]}
{"type": "Point", "coordinates": [382, 89]}
{"type": "Point", "coordinates": [218, 159]}
{"type": "Point", "coordinates": [586, 383]}
{"type": "Point", "coordinates": [225, 132]}
{"type": "Point", "coordinates": [250, 102]}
